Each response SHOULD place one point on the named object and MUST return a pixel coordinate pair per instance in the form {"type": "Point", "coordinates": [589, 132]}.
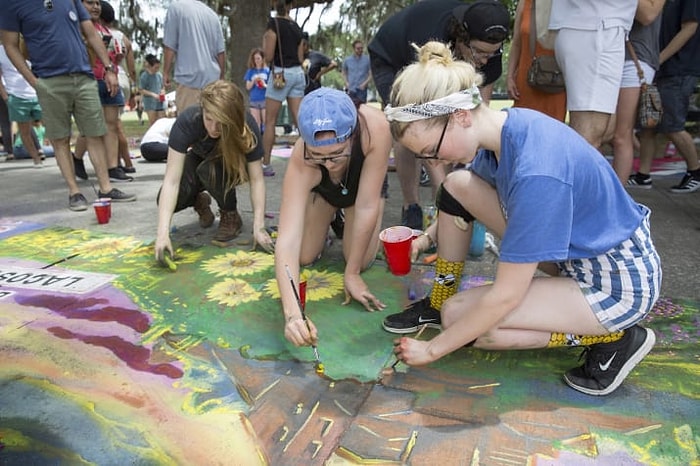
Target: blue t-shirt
{"type": "Point", "coordinates": [151, 82]}
{"type": "Point", "coordinates": [560, 196]}
{"type": "Point", "coordinates": [357, 69]}
{"type": "Point", "coordinates": [257, 94]}
{"type": "Point", "coordinates": [52, 36]}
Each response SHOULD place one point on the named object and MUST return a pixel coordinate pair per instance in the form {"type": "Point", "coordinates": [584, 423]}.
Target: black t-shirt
{"type": "Point", "coordinates": [685, 62]}
{"type": "Point", "coordinates": [420, 23]}
{"type": "Point", "coordinates": [290, 35]}
{"type": "Point", "coordinates": [317, 60]}
{"type": "Point", "coordinates": [188, 133]}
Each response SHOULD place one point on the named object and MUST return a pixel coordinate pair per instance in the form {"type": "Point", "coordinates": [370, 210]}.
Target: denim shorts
{"type": "Point", "coordinates": [675, 95]}
{"type": "Point", "coordinates": [23, 110]}
{"type": "Point", "coordinates": [108, 100]}
{"type": "Point", "coordinates": [296, 82]}
{"type": "Point", "coordinates": [622, 284]}
{"type": "Point", "coordinates": [630, 75]}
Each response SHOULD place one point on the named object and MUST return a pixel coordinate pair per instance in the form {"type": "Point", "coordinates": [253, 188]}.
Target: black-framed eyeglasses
{"type": "Point", "coordinates": [435, 155]}
{"type": "Point", "coordinates": [322, 160]}
{"type": "Point", "coordinates": [483, 55]}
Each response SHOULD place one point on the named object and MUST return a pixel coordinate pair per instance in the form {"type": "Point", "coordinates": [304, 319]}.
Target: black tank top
{"type": "Point", "coordinates": [333, 193]}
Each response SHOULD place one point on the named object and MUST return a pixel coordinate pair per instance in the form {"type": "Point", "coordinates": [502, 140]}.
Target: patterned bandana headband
{"type": "Point", "coordinates": [462, 100]}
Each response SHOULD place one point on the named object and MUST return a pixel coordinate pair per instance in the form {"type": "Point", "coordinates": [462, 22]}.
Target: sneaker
{"type": "Point", "coordinates": [117, 196]}
{"type": "Point", "coordinates": [201, 206]}
{"type": "Point", "coordinates": [637, 180]}
{"type": "Point", "coordinates": [116, 174]}
{"type": "Point", "coordinates": [77, 202]}
{"type": "Point", "coordinates": [689, 184]}
{"type": "Point", "coordinates": [413, 317]}
{"type": "Point", "coordinates": [607, 364]}
{"type": "Point", "coordinates": [268, 171]}
{"type": "Point", "coordinates": [79, 165]}
{"type": "Point", "coordinates": [230, 224]}
{"type": "Point", "coordinates": [128, 169]}
{"type": "Point", "coordinates": [412, 217]}
{"type": "Point", "coordinates": [338, 223]}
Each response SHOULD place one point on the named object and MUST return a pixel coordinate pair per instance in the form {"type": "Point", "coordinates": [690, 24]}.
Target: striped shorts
{"type": "Point", "coordinates": [622, 284]}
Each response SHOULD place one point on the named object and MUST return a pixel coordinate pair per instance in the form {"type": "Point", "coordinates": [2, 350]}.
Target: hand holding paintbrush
{"type": "Point", "coordinates": [320, 369]}
{"type": "Point", "coordinates": [390, 370]}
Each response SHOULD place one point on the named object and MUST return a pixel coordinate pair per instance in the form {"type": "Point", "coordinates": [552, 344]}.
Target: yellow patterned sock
{"type": "Point", "coordinates": [569, 339]}
{"type": "Point", "coordinates": [447, 278]}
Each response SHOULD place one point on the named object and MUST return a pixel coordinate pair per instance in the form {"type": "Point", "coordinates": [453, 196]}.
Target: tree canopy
{"type": "Point", "coordinates": [244, 21]}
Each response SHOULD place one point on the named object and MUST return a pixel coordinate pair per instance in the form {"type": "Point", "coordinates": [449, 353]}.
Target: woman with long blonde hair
{"type": "Point", "coordinates": [213, 147]}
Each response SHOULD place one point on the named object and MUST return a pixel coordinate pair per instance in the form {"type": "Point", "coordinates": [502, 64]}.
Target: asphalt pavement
{"type": "Point", "coordinates": [41, 196]}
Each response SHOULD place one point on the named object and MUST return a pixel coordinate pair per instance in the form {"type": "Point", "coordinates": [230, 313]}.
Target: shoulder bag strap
{"type": "Point", "coordinates": [640, 73]}
{"type": "Point", "coordinates": [279, 43]}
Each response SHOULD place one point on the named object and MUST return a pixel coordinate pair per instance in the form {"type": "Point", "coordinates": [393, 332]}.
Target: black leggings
{"type": "Point", "coordinates": [154, 151]}
{"type": "Point", "coordinates": [199, 175]}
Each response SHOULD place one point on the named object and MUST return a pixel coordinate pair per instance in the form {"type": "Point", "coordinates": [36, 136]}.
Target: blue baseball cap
{"type": "Point", "coordinates": [326, 109]}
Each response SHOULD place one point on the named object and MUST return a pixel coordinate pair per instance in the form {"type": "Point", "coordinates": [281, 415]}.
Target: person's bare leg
{"type": "Point", "coordinates": [64, 161]}
{"type": "Point", "coordinates": [408, 171]}
{"type": "Point", "coordinates": [647, 149]}
{"type": "Point", "coordinates": [124, 155]}
{"type": "Point", "coordinates": [591, 125]}
{"type": "Point", "coordinates": [685, 145]}
{"type": "Point", "coordinates": [623, 146]}
{"type": "Point", "coordinates": [293, 103]}
{"type": "Point", "coordinates": [80, 147]}
{"type": "Point", "coordinates": [272, 108]}
{"type": "Point", "coordinates": [25, 131]}
{"type": "Point", "coordinates": [111, 138]}
{"type": "Point", "coordinates": [98, 157]}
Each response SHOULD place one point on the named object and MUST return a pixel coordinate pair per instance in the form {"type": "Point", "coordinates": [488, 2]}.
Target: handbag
{"type": "Point", "coordinates": [650, 108]}
{"type": "Point", "coordinates": [278, 81]}
{"type": "Point", "coordinates": [544, 73]}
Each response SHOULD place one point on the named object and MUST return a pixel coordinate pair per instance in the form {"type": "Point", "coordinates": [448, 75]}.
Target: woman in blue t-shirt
{"type": "Point", "coordinates": [152, 90]}
{"type": "Point", "coordinates": [256, 83]}
{"type": "Point", "coordinates": [556, 204]}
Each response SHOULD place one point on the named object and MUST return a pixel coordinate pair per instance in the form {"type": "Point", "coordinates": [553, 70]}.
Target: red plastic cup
{"type": "Point", "coordinates": [397, 248]}
{"type": "Point", "coordinates": [108, 202]}
{"type": "Point", "coordinates": [302, 293]}
{"type": "Point", "coordinates": [101, 211]}
{"type": "Point", "coordinates": [161, 97]}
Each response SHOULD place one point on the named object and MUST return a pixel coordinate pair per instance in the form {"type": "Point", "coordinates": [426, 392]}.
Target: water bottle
{"type": "Point", "coordinates": [476, 247]}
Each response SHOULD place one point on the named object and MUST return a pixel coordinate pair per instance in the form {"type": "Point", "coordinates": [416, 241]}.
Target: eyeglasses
{"type": "Point", "coordinates": [483, 55]}
{"type": "Point", "coordinates": [435, 155]}
{"type": "Point", "coordinates": [322, 160]}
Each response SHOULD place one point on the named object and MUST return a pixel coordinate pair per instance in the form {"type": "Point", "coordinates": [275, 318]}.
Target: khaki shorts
{"type": "Point", "coordinates": [69, 95]}
{"type": "Point", "coordinates": [186, 96]}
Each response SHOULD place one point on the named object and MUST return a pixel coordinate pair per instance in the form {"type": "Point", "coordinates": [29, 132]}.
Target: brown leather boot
{"type": "Point", "coordinates": [230, 225]}
{"type": "Point", "coordinates": [201, 206]}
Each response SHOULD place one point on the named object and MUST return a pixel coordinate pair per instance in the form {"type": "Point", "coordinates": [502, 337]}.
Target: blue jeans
{"type": "Point", "coordinates": [675, 96]}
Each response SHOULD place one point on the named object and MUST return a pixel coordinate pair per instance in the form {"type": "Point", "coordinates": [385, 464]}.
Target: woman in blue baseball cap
{"type": "Point", "coordinates": [340, 162]}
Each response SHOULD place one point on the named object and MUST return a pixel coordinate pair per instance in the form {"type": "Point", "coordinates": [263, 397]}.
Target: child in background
{"type": "Point", "coordinates": [256, 84]}
{"type": "Point", "coordinates": [152, 90]}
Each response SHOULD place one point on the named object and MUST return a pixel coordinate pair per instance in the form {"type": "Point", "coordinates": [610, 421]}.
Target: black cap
{"type": "Point", "coordinates": [107, 13]}
{"type": "Point", "coordinates": [486, 20]}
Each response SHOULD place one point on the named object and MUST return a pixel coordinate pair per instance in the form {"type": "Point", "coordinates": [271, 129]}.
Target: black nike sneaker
{"type": "Point", "coordinates": [608, 364]}
{"type": "Point", "coordinates": [413, 317]}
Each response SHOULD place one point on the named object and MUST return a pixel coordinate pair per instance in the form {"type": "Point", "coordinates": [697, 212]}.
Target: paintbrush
{"type": "Point", "coordinates": [320, 369]}
{"type": "Point", "coordinates": [420, 331]}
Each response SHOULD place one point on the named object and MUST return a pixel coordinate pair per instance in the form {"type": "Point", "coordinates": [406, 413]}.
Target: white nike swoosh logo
{"type": "Point", "coordinates": [421, 320]}
{"type": "Point", "coordinates": [604, 367]}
